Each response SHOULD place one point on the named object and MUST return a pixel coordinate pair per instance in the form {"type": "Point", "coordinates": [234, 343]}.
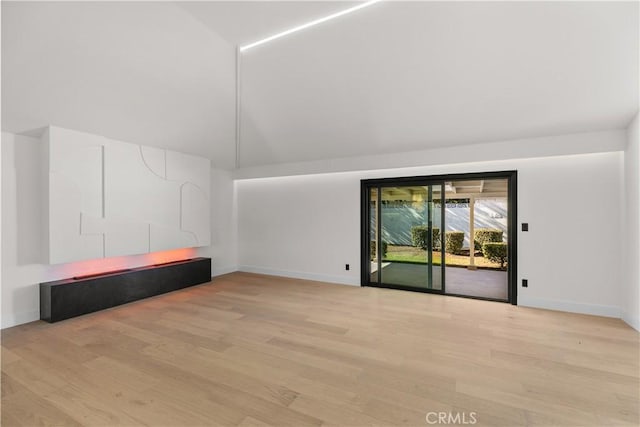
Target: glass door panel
{"type": "Point", "coordinates": [477, 212]}
{"type": "Point", "coordinates": [409, 227]}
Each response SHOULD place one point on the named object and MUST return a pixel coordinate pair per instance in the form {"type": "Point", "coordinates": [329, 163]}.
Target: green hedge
{"type": "Point", "coordinates": [453, 241]}
{"type": "Point", "coordinates": [419, 235]}
{"type": "Point", "coordinates": [484, 235]}
{"type": "Point", "coordinates": [373, 249]}
{"type": "Point", "coordinates": [496, 252]}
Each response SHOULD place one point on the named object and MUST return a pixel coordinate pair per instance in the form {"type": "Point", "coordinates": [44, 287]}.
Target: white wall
{"type": "Point", "coordinates": [1, 230]}
{"type": "Point", "coordinates": [306, 227]}
{"type": "Point", "coordinates": [631, 294]}
{"type": "Point", "coordinates": [309, 227]}
{"type": "Point", "coordinates": [112, 198]}
{"type": "Point", "coordinates": [224, 223]}
{"type": "Point", "coordinates": [23, 197]}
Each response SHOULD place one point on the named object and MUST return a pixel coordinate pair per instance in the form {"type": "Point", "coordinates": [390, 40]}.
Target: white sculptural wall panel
{"type": "Point", "coordinates": [110, 198]}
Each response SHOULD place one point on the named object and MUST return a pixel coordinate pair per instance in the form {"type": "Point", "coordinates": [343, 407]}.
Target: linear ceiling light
{"type": "Point", "coordinates": [308, 24]}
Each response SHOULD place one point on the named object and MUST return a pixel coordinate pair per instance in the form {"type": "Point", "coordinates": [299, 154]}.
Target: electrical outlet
{"type": "Point", "coordinates": [346, 267]}
{"type": "Point", "coordinates": [525, 283]}
{"type": "Point", "coordinates": [525, 226]}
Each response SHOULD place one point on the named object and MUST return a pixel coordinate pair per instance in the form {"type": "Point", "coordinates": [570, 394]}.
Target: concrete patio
{"type": "Point", "coordinates": [459, 280]}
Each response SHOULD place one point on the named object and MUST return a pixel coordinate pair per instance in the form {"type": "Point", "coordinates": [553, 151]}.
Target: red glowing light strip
{"type": "Point", "coordinates": [97, 267]}
{"type": "Point", "coordinates": [88, 276]}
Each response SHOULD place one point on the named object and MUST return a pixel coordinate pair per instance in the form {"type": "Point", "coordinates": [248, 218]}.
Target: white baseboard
{"type": "Point", "coordinates": [342, 280]}
{"type": "Point", "coordinates": [219, 271]}
{"type": "Point", "coordinates": [632, 321]}
{"type": "Point", "coordinates": [572, 307]}
{"type": "Point", "coordinates": [16, 319]}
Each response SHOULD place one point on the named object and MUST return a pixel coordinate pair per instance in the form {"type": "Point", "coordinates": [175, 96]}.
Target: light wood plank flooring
{"type": "Point", "coordinates": [254, 350]}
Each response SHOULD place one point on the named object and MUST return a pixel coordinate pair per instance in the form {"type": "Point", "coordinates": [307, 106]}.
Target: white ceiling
{"type": "Point", "coordinates": [142, 72]}
{"type": "Point", "coordinates": [409, 76]}
{"type": "Point", "coordinates": [242, 22]}
{"type": "Point", "coordinates": [388, 78]}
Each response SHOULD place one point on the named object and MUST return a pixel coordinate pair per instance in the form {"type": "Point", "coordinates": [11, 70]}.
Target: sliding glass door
{"type": "Point", "coordinates": [418, 231]}
{"type": "Point", "coordinates": [405, 231]}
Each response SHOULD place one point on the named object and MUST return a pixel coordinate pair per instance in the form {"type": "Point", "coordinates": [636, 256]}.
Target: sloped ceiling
{"type": "Point", "coordinates": [141, 72]}
{"type": "Point", "coordinates": [415, 75]}
{"type": "Point", "coordinates": [242, 22]}
{"type": "Point", "coordinates": [396, 76]}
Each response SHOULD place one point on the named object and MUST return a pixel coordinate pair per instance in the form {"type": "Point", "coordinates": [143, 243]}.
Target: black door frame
{"type": "Point", "coordinates": [512, 219]}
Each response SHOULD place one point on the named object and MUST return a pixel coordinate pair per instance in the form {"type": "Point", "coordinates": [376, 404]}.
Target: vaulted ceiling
{"type": "Point", "coordinates": [397, 76]}
{"type": "Point", "coordinates": [142, 72]}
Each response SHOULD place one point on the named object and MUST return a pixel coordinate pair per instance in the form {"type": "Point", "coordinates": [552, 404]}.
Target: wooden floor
{"type": "Point", "coordinates": [255, 350]}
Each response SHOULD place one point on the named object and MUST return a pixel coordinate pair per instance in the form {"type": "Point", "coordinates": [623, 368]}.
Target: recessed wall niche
{"type": "Point", "coordinates": [110, 198]}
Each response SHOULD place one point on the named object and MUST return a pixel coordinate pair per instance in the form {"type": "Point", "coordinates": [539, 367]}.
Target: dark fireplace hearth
{"type": "Point", "coordinates": [79, 295]}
